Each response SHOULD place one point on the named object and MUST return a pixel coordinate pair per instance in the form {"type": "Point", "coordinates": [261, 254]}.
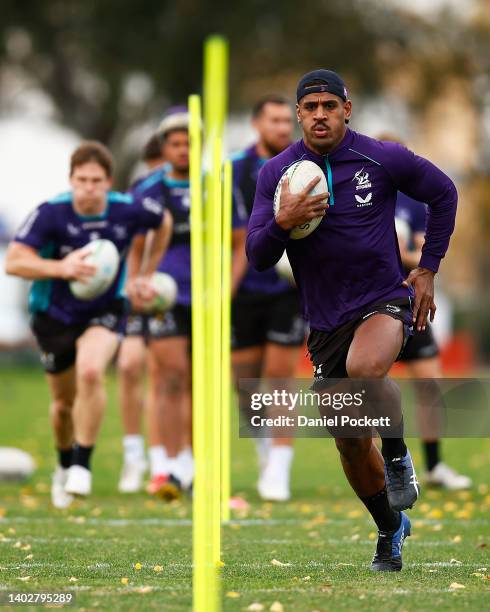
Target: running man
{"type": "Point", "coordinates": [78, 339]}
{"type": "Point", "coordinates": [167, 335]}
{"type": "Point", "coordinates": [131, 363]}
{"type": "Point", "coordinates": [351, 279]}
{"type": "Point", "coordinates": [267, 325]}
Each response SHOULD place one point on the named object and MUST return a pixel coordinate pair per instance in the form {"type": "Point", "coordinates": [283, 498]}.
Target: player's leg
{"type": "Point", "coordinates": [168, 403]}
{"type": "Point", "coordinates": [62, 388]}
{"type": "Point", "coordinates": [375, 347]}
{"type": "Point", "coordinates": [248, 337]}
{"type": "Point", "coordinates": [58, 353]}
{"type": "Point", "coordinates": [429, 410]}
{"type": "Point", "coordinates": [131, 369]}
{"type": "Point", "coordinates": [95, 349]}
{"type": "Point", "coordinates": [279, 362]}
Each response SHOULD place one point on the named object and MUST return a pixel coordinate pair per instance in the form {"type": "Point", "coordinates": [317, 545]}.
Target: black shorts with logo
{"type": "Point", "coordinates": [170, 324]}
{"type": "Point", "coordinates": [58, 341]}
{"type": "Point", "coordinates": [328, 350]}
{"type": "Point", "coordinates": [422, 345]}
{"type": "Point", "coordinates": [257, 318]}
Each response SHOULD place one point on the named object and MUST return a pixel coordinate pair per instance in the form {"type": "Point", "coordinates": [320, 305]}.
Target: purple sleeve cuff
{"type": "Point", "coordinates": [430, 262]}
{"type": "Point", "coordinates": [276, 231]}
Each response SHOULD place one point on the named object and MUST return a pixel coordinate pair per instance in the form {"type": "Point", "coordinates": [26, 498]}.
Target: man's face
{"type": "Point", "coordinates": [90, 184]}
{"type": "Point", "coordinates": [275, 126]}
{"type": "Point", "coordinates": [322, 117]}
{"type": "Point", "coordinates": [175, 150]}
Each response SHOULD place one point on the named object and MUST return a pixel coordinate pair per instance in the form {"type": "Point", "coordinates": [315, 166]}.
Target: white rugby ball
{"type": "Point", "coordinates": [403, 230]}
{"type": "Point", "coordinates": [283, 268]}
{"type": "Point", "coordinates": [166, 289]}
{"type": "Point", "coordinates": [15, 464]}
{"type": "Point", "coordinates": [104, 255]}
{"type": "Point", "coordinates": [300, 174]}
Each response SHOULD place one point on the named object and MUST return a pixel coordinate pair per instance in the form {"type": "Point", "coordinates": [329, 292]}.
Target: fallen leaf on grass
{"type": "Point", "coordinates": [482, 545]}
{"type": "Point", "coordinates": [457, 539]}
{"type": "Point", "coordinates": [28, 557]}
{"type": "Point", "coordinates": [24, 578]}
{"type": "Point", "coordinates": [255, 607]}
{"type": "Point", "coordinates": [279, 563]}
{"type": "Point", "coordinates": [26, 547]}
{"type": "Point", "coordinates": [455, 562]}
{"type": "Point", "coordinates": [233, 594]}
{"type": "Point", "coordinates": [454, 586]}
{"type": "Point", "coordinates": [306, 578]}
{"type": "Point", "coordinates": [73, 579]}
{"type": "Point", "coordinates": [277, 607]}
{"type": "Point", "coordinates": [144, 589]}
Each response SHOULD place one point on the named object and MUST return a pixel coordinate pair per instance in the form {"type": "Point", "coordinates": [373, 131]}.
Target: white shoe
{"type": "Point", "coordinates": [59, 497]}
{"type": "Point", "coordinates": [272, 488]}
{"type": "Point", "coordinates": [444, 476]}
{"type": "Point", "coordinates": [132, 475]}
{"type": "Point", "coordinates": [79, 481]}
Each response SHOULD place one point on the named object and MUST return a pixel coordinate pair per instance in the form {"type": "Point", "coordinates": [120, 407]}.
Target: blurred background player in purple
{"type": "Point", "coordinates": [78, 339]}
{"type": "Point", "coordinates": [267, 325]}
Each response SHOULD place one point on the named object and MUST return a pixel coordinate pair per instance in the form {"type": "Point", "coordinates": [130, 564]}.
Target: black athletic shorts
{"type": "Point", "coordinates": [58, 341]}
{"type": "Point", "coordinates": [257, 318]}
{"type": "Point", "coordinates": [170, 324]}
{"type": "Point", "coordinates": [422, 345]}
{"type": "Point", "coordinates": [328, 350]}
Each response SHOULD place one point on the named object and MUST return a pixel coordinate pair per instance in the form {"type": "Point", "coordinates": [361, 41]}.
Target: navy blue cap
{"type": "Point", "coordinates": [318, 81]}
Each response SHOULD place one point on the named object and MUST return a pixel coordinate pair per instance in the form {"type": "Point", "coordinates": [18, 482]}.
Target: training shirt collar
{"type": "Point", "coordinates": [344, 143]}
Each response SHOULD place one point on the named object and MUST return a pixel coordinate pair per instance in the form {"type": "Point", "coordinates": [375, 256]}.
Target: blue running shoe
{"type": "Point", "coordinates": [402, 485]}
{"type": "Point", "coordinates": [388, 555]}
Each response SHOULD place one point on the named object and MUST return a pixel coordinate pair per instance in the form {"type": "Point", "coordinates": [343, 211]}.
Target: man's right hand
{"type": "Point", "coordinates": [73, 266]}
{"type": "Point", "coordinates": [300, 208]}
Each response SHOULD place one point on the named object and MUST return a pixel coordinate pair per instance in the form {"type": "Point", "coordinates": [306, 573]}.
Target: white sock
{"type": "Point", "coordinates": [158, 460]}
{"type": "Point", "coordinates": [134, 448]}
{"type": "Point", "coordinates": [279, 461]}
{"type": "Point", "coordinates": [263, 446]}
{"type": "Point", "coordinates": [185, 462]}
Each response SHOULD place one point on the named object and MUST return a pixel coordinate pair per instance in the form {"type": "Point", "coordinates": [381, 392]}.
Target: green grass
{"type": "Point", "coordinates": [323, 535]}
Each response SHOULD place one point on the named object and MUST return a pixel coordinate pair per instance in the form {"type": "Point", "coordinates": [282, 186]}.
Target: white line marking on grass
{"type": "Point", "coordinates": [242, 522]}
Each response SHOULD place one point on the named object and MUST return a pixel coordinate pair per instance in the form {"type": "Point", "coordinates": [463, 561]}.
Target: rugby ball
{"type": "Point", "coordinates": [300, 174]}
{"type": "Point", "coordinates": [166, 289]}
{"type": "Point", "coordinates": [284, 270]}
{"type": "Point", "coordinates": [403, 230]}
{"type": "Point", "coordinates": [104, 255]}
{"type": "Point", "coordinates": [15, 464]}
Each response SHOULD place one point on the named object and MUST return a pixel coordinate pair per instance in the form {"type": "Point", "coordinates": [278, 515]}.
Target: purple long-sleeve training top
{"type": "Point", "coordinates": [352, 259]}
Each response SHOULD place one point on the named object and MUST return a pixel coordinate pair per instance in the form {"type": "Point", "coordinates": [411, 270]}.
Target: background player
{"type": "Point", "coordinates": [131, 364]}
{"type": "Point", "coordinates": [421, 354]}
{"type": "Point", "coordinates": [77, 338]}
{"type": "Point", "coordinates": [351, 279]}
{"type": "Point", "coordinates": [267, 325]}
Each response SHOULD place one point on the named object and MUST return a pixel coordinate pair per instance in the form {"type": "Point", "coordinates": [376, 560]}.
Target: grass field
{"type": "Point", "coordinates": [323, 539]}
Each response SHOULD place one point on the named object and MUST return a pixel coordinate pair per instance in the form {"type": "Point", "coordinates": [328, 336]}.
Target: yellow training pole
{"type": "Point", "coordinates": [215, 84]}
{"type": "Point", "coordinates": [226, 344]}
{"type": "Point", "coordinates": [204, 574]}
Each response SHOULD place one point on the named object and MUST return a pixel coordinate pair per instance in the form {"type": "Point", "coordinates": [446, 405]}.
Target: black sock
{"type": "Point", "coordinates": [432, 457]}
{"type": "Point", "coordinates": [81, 455]}
{"type": "Point", "coordinates": [379, 508]}
{"type": "Point", "coordinates": [64, 456]}
{"type": "Point", "coordinates": [393, 447]}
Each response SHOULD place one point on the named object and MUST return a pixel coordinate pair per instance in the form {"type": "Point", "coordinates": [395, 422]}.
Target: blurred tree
{"type": "Point", "coordinates": [109, 66]}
